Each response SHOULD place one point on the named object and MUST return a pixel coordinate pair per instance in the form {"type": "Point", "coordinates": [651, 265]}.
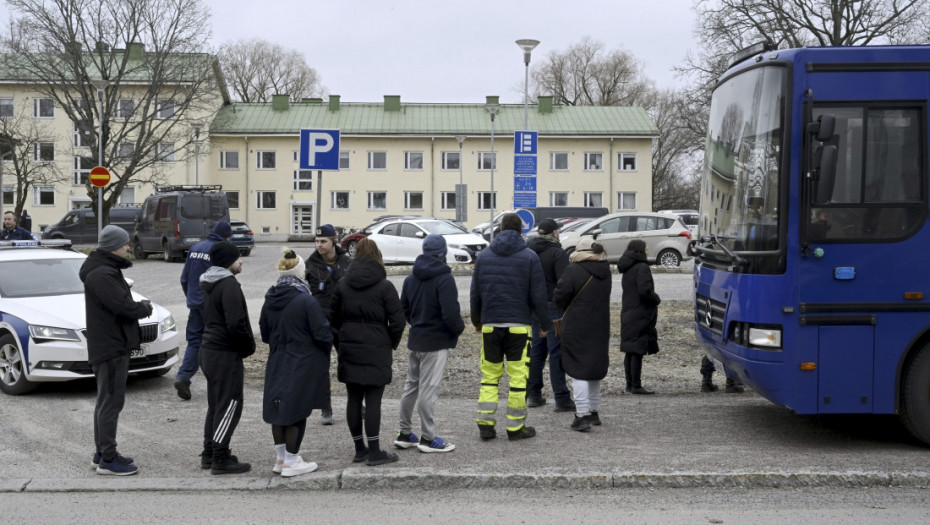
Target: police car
{"type": "Point", "coordinates": [42, 327]}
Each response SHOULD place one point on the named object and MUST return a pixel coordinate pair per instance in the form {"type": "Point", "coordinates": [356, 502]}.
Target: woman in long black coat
{"type": "Point", "coordinates": [297, 373]}
{"type": "Point", "coordinates": [638, 335]}
{"type": "Point", "coordinates": [370, 321]}
{"type": "Point", "coordinates": [584, 289]}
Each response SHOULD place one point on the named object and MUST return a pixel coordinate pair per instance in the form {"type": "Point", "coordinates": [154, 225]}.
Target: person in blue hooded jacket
{"type": "Point", "coordinates": [430, 301]}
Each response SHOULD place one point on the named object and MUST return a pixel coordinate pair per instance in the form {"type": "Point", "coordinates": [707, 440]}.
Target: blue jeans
{"type": "Point", "coordinates": [194, 334]}
{"type": "Point", "coordinates": [551, 346]}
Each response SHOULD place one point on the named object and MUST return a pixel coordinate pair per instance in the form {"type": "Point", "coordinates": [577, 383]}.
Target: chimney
{"type": "Point", "coordinates": [544, 103]}
{"type": "Point", "coordinates": [280, 102]}
{"type": "Point", "coordinates": [136, 50]}
{"type": "Point", "coordinates": [73, 48]}
{"type": "Point", "coordinates": [334, 102]}
{"type": "Point", "coordinates": [102, 47]}
{"type": "Point", "coordinates": [492, 99]}
{"type": "Point", "coordinates": [391, 102]}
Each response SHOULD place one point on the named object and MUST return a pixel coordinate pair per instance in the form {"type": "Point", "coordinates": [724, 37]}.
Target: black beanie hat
{"type": "Point", "coordinates": [223, 254]}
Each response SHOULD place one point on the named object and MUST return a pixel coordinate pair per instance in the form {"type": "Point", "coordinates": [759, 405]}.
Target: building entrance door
{"type": "Point", "coordinates": [302, 219]}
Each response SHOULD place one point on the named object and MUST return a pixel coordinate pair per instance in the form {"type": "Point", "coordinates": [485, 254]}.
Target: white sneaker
{"type": "Point", "coordinates": [299, 467]}
{"type": "Point", "coordinates": [278, 466]}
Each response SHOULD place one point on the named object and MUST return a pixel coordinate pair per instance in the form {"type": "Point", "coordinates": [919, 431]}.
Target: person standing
{"type": "Point", "coordinates": [198, 261]}
{"type": "Point", "coordinates": [733, 384]}
{"type": "Point", "coordinates": [508, 288]}
{"type": "Point", "coordinates": [227, 340]}
{"type": "Point", "coordinates": [640, 303]}
{"type": "Point", "coordinates": [326, 267]}
{"type": "Point", "coordinates": [299, 339]}
{"type": "Point", "coordinates": [583, 293]}
{"type": "Point", "coordinates": [554, 261]}
{"type": "Point", "coordinates": [112, 332]}
{"type": "Point", "coordinates": [26, 221]}
{"type": "Point", "coordinates": [367, 313]}
{"type": "Point", "coordinates": [430, 301]}
{"type": "Point", "coordinates": [12, 232]}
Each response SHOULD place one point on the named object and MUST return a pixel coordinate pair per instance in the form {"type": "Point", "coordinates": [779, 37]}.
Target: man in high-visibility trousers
{"type": "Point", "coordinates": [507, 289]}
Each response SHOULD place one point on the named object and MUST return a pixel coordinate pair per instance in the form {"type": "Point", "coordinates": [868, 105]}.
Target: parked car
{"type": "Point", "coordinates": [691, 219]}
{"type": "Point", "coordinates": [80, 225]}
{"type": "Point", "coordinates": [42, 325]}
{"type": "Point", "coordinates": [563, 223]}
{"type": "Point", "coordinates": [540, 213]}
{"type": "Point", "coordinates": [350, 241]}
{"type": "Point", "coordinates": [665, 235]}
{"type": "Point", "coordinates": [174, 218]}
{"type": "Point", "coordinates": [242, 237]}
{"type": "Point", "coordinates": [401, 240]}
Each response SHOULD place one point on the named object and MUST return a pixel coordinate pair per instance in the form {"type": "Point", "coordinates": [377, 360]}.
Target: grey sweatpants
{"type": "Point", "coordinates": [111, 393]}
{"type": "Point", "coordinates": [424, 375]}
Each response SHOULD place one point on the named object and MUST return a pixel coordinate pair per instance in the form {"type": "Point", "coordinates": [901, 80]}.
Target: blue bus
{"type": "Point", "coordinates": [811, 276]}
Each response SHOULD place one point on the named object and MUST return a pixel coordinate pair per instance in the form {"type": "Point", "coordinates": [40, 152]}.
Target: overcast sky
{"type": "Point", "coordinates": [453, 51]}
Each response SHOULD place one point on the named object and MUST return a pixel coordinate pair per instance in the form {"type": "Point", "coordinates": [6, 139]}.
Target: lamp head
{"type": "Point", "coordinates": [527, 44]}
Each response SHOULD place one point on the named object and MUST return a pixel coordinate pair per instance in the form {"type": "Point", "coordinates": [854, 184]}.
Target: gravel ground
{"type": "Point", "coordinates": [674, 370]}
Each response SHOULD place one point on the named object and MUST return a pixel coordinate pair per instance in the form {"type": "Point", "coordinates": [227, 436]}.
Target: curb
{"type": "Point", "coordinates": [356, 479]}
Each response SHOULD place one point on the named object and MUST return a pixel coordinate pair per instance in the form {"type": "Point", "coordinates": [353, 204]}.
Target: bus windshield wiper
{"type": "Point", "coordinates": [734, 258]}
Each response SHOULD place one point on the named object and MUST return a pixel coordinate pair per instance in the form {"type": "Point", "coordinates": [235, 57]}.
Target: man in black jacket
{"type": "Point", "coordinates": [227, 339]}
{"type": "Point", "coordinates": [112, 331]}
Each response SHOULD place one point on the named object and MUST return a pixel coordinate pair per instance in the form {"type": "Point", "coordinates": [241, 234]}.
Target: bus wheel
{"type": "Point", "coordinates": [915, 396]}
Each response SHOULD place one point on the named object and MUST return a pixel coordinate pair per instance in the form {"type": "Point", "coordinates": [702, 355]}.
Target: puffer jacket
{"type": "Point", "coordinates": [640, 306]}
{"type": "Point", "coordinates": [431, 305]}
{"type": "Point", "coordinates": [322, 276]}
{"type": "Point", "coordinates": [552, 258]}
{"type": "Point", "coordinates": [586, 325]}
{"type": "Point", "coordinates": [508, 285]}
{"type": "Point", "coordinates": [225, 314]}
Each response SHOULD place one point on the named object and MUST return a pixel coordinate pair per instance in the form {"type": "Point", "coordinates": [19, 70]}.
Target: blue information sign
{"type": "Point", "coordinates": [524, 164]}
{"type": "Point", "coordinates": [319, 149]}
{"type": "Point", "coordinates": [527, 217]}
{"type": "Point", "coordinates": [524, 199]}
{"type": "Point", "coordinates": [524, 184]}
{"type": "Point", "coordinates": [525, 142]}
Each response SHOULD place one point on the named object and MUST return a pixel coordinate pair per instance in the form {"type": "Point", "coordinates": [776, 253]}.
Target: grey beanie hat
{"type": "Point", "coordinates": [435, 245]}
{"type": "Point", "coordinates": [112, 237]}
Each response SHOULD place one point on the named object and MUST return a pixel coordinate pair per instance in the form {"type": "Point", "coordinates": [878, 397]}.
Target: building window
{"type": "Point", "coordinates": [413, 200]}
{"type": "Point", "coordinates": [626, 161]}
{"type": "Point", "coordinates": [266, 200]}
{"type": "Point", "coordinates": [377, 160]}
{"type": "Point", "coordinates": [558, 198]}
{"type": "Point", "coordinates": [127, 196]}
{"type": "Point", "coordinates": [487, 160]}
{"type": "Point", "coordinates": [339, 200]}
{"type": "Point", "coordinates": [413, 160]}
{"type": "Point", "coordinates": [303, 180]}
{"type": "Point", "coordinates": [448, 200]}
{"type": "Point", "coordinates": [43, 108]}
{"type": "Point", "coordinates": [125, 151]}
{"type": "Point", "coordinates": [82, 137]}
{"type": "Point", "coordinates": [43, 196]}
{"type": "Point", "coordinates": [343, 160]}
{"type": "Point", "coordinates": [6, 107]}
{"type": "Point", "coordinates": [164, 108]}
{"type": "Point", "coordinates": [558, 161]}
{"type": "Point", "coordinates": [125, 107]}
{"type": "Point", "coordinates": [297, 156]}
{"type": "Point", "coordinates": [266, 160]}
{"type": "Point", "coordinates": [593, 161]}
{"type": "Point", "coordinates": [626, 201]}
{"type": "Point", "coordinates": [229, 160]}
{"type": "Point", "coordinates": [451, 160]}
{"type": "Point", "coordinates": [487, 200]}
{"type": "Point", "coordinates": [8, 195]}
{"type": "Point", "coordinates": [82, 167]}
{"type": "Point", "coordinates": [232, 198]}
{"type": "Point", "coordinates": [44, 152]}
{"type": "Point", "coordinates": [164, 152]}
{"type": "Point", "coordinates": [377, 200]}
{"type": "Point", "coordinates": [593, 199]}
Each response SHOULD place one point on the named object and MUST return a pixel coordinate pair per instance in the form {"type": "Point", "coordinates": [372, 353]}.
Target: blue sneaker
{"type": "Point", "coordinates": [121, 459]}
{"type": "Point", "coordinates": [406, 440]}
{"type": "Point", "coordinates": [116, 468]}
{"type": "Point", "coordinates": [436, 445]}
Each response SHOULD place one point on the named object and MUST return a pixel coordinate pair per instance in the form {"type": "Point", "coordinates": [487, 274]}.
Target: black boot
{"type": "Point", "coordinates": [733, 387]}
{"type": "Point", "coordinates": [707, 385]}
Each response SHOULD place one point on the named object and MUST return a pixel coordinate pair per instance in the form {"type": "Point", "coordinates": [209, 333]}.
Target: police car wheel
{"type": "Point", "coordinates": [137, 251]}
{"type": "Point", "coordinates": [12, 376]}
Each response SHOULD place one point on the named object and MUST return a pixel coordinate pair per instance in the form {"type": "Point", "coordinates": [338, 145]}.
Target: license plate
{"type": "Point", "coordinates": [238, 236]}
{"type": "Point", "coordinates": [135, 354]}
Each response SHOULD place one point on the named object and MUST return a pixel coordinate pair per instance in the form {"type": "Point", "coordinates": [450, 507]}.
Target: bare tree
{"type": "Point", "coordinates": [156, 88]}
{"type": "Point", "coordinates": [674, 185]}
{"type": "Point", "coordinates": [27, 147]}
{"type": "Point", "coordinates": [257, 69]}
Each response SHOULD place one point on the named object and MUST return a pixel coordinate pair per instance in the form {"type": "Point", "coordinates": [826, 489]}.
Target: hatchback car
{"type": "Point", "coordinates": [402, 240]}
{"type": "Point", "coordinates": [42, 326]}
{"type": "Point", "coordinates": [350, 241]}
{"type": "Point", "coordinates": [242, 237]}
{"type": "Point", "coordinates": [665, 236]}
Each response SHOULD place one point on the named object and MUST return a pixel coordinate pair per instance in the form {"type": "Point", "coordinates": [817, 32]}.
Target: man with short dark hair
{"type": "Point", "coordinates": [12, 232]}
{"type": "Point", "coordinates": [508, 289]}
{"type": "Point", "coordinates": [112, 332]}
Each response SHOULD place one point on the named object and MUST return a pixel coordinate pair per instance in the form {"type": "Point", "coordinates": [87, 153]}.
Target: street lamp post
{"type": "Point", "coordinates": [100, 85]}
{"type": "Point", "coordinates": [197, 155]}
{"type": "Point", "coordinates": [527, 45]}
{"type": "Point", "coordinates": [460, 212]}
{"type": "Point", "coordinates": [492, 108]}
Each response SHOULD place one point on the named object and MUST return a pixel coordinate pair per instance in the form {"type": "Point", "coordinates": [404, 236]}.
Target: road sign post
{"type": "Point", "coordinates": [99, 177]}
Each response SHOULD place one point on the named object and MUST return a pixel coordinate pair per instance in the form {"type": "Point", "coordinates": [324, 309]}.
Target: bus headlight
{"type": "Point", "coordinates": [767, 337]}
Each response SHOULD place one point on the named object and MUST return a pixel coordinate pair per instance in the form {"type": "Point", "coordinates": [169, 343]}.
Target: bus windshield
{"type": "Point", "coordinates": [742, 165]}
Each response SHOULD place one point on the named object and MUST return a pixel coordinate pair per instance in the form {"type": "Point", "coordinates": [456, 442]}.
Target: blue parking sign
{"type": "Point", "coordinates": [319, 149]}
{"type": "Point", "coordinates": [525, 142]}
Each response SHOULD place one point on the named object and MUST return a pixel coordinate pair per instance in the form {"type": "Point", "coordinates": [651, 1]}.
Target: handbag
{"type": "Point", "coordinates": [558, 322]}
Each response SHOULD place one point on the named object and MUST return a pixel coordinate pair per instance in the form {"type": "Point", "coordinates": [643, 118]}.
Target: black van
{"type": "Point", "coordinates": [174, 218]}
{"type": "Point", "coordinates": [80, 225]}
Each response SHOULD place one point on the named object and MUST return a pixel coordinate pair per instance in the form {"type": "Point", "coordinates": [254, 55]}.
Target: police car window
{"type": "Point", "coordinates": [218, 207]}
{"type": "Point", "coordinates": [194, 207]}
{"type": "Point", "coordinates": [40, 277]}
{"type": "Point", "coordinates": [166, 209]}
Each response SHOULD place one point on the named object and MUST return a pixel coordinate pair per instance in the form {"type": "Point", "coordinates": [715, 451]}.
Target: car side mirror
{"type": "Point", "coordinates": [420, 234]}
{"type": "Point", "coordinates": [595, 233]}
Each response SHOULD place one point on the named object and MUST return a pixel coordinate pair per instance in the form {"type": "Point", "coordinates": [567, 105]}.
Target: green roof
{"type": "Point", "coordinates": [354, 118]}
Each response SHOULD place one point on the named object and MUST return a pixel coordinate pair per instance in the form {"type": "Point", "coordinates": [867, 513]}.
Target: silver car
{"type": "Point", "coordinates": [665, 236]}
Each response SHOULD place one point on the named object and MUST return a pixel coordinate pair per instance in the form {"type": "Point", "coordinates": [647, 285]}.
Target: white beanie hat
{"type": "Point", "coordinates": [291, 264]}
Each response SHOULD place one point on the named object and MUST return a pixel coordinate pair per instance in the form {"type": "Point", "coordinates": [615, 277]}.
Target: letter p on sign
{"type": "Point", "coordinates": [319, 149]}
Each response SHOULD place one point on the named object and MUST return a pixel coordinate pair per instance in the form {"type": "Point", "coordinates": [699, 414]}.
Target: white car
{"type": "Point", "coordinates": [666, 237]}
{"type": "Point", "coordinates": [401, 240]}
{"type": "Point", "coordinates": [42, 328]}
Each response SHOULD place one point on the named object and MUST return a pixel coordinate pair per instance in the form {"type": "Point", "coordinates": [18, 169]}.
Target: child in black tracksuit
{"type": "Point", "coordinates": [227, 339]}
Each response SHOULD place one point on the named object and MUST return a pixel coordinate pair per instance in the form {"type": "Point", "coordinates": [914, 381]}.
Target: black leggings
{"type": "Point", "coordinates": [291, 435]}
{"type": "Point", "coordinates": [633, 366]}
{"type": "Point", "coordinates": [372, 398]}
